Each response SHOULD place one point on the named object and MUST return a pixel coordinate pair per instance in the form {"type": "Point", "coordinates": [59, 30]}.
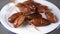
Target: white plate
{"type": "Point", "coordinates": [9, 9]}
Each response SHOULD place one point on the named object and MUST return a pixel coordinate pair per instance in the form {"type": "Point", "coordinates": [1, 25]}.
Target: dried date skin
{"type": "Point", "coordinates": [42, 8]}
{"type": "Point", "coordinates": [13, 17]}
{"type": "Point", "coordinates": [50, 17]}
{"type": "Point", "coordinates": [34, 15]}
{"type": "Point", "coordinates": [19, 21]}
{"type": "Point", "coordinates": [39, 22]}
{"type": "Point", "coordinates": [20, 5]}
{"type": "Point", "coordinates": [25, 10]}
{"type": "Point", "coordinates": [31, 4]}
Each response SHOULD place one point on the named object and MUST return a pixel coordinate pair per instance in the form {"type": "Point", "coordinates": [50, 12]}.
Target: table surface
{"type": "Point", "coordinates": [5, 31]}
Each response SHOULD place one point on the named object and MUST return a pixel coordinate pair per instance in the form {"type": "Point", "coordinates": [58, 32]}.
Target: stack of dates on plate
{"type": "Point", "coordinates": [31, 13]}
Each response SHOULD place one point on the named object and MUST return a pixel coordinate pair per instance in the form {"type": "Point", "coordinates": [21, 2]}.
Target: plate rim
{"type": "Point", "coordinates": [41, 0]}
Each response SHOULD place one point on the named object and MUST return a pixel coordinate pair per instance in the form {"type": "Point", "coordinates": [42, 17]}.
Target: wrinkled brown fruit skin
{"type": "Point", "coordinates": [13, 17]}
{"type": "Point", "coordinates": [20, 5]}
{"type": "Point", "coordinates": [19, 21]}
{"type": "Point", "coordinates": [39, 22]}
{"type": "Point", "coordinates": [34, 15]}
{"type": "Point", "coordinates": [50, 17]}
{"type": "Point", "coordinates": [42, 8]}
{"type": "Point", "coordinates": [30, 4]}
{"type": "Point", "coordinates": [23, 9]}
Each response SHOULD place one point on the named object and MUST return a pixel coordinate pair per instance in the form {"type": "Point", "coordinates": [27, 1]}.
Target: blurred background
{"type": "Point", "coordinates": [5, 31]}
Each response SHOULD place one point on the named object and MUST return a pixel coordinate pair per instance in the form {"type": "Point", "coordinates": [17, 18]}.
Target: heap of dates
{"type": "Point", "coordinates": [30, 12]}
